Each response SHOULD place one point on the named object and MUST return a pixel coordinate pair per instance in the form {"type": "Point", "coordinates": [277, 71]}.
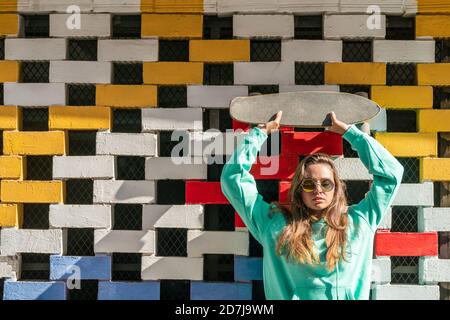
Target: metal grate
{"type": "Point", "coordinates": [348, 151]}
{"type": "Point", "coordinates": [175, 50]}
{"type": "Point", "coordinates": [442, 51]}
{"type": "Point", "coordinates": [441, 97]}
{"type": "Point", "coordinates": [217, 119]}
{"type": "Point", "coordinates": [401, 74]}
{"type": "Point", "coordinates": [80, 242]}
{"type": "Point", "coordinates": [79, 191]}
{"type": "Point", "coordinates": [36, 26]}
{"type": "Point", "coordinates": [127, 120]}
{"type": "Point", "coordinates": [130, 168]}
{"type": "Point", "coordinates": [126, 26]}
{"type": "Point", "coordinates": [34, 119]}
{"type": "Point", "coordinates": [355, 89]}
{"type": "Point", "coordinates": [218, 267]}
{"type": "Point", "coordinates": [263, 89]}
{"type": "Point", "coordinates": [82, 143]}
{"type": "Point", "coordinates": [309, 73]}
{"type": "Point", "coordinates": [2, 102]}
{"type": "Point", "coordinates": [36, 216]}
{"type": "Point", "coordinates": [258, 293]}
{"type": "Point", "coordinates": [219, 217]}
{"type": "Point", "coordinates": [268, 189]}
{"type": "Point", "coordinates": [171, 242]}
{"type": "Point", "coordinates": [404, 219]}
{"type": "Point", "coordinates": [2, 49]}
{"type": "Point", "coordinates": [82, 50]}
{"type": "Point", "coordinates": [405, 270]}
{"type": "Point", "coordinates": [172, 96]}
{"type": "Point", "coordinates": [412, 170]}
{"type": "Point", "coordinates": [175, 290]}
{"type": "Point", "coordinates": [126, 266]}
{"type": "Point", "coordinates": [265, 50]}
{"type": "Point", "coordinates": [215, 27]}
{"type": "Point", "coordinates": [218, 74]}
{"type": "Point", "coordinates": [127, 216]}
{"type": "Point", "coordinates": [35, 266]}
{"type": "Point", "coordinates": [127, 73]}
{"type": "Point", "coordinates": [357, 51]}
{"type": "Point", "coordinates": [81, 94]}
{"type": "Point", "coordinates": [170, 191]}
{"type": "Point", "coordinates": [165, 143]}
{"type": "Point", "coordinates": [39, 167]}
{"type": "Point", "coordinates": [35, 72]}
{"type": "Point", "coordinates": [400, 28]}
{"type": "Point", "coordinates": [88, 291]}
{"type": "Point", "coordinates": [401, 121]}
{"type": "Point", "coordinates": [356, 191]}
{"type": "Point", "coordinates": [308, 27]}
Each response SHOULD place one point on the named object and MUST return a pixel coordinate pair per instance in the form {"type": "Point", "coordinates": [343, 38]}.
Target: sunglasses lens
{"type": "Point", "coordinates": [308, 185]}
{"type": "Point", "coordinates": [327, 185]}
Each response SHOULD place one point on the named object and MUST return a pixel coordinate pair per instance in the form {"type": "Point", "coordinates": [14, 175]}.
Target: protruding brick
{"type": "Point", "coordinates": [435, 74]}
{"type": "Point", "coordinates": [274, 167]}
{"type": "Point", "coordinates": [80, 72]}
{"type": "Point", "coordinates": [311, 50]}
{"type": "Point", "coordinates": [96, 216]}
{"type": "Point", "coordinates": [434, 219]}
{"type": "Point", "coordinates": [90, 268]}
{"type": "Point", "coordinates": [107, 241]}
{"type": "Point", "coordinates": [254, 73]}
{"type": "Point", "coordinates": [93, 25]}
{"type": "Point", "coordinates": [34, 290]}
{"type": "Point", "coordinates": [342, 27]}
{"type": "Point", "coordinates": [403, 97]}
{"type": "Point", "coordinates": [392, 7]}
{"type": "Point", "coordinates": [32, 241]}
{"type": "Point", "coordinates": [434, 6]}
{"type": "Point", "coordinates": [409, 144]}
{"type": "Point", "coordinates": [352, 169]}
{"type": "Point", "coordinates": [126, 95]}
{"type": "Point", "coordinates": [128, 50]}
{"type": "Point", "coordinates": [199, 192]}
{"type": "Point", "coordinates": [367, 73]}
{"type": "Point", "coordinates": [162, 119]}
{"type": "Point", "coordinates": [24, 143]}
{"type": "Point", "coordinates": [158, 268]}
{"type": "Point", "coordinates": [146, 290]}
{"type": "Point", "coordinates": [160, 168]}
{"type": "Point", "coordinates": [11, 215]}
{"type": "Point", "coordinates": [433, 270]}
{"type": "Point", "coordinates": [9, 118]}
{"type": "Point", "coordinates": [11, 167]}
{"type": "Point", "coordinates": [381, 270]}
{"type": "Point", "coordinates": [124, 191]}
{"type": "Point", "coordinates": [100, 167]}
{"type": "Point", "coordinates": [10, 267]}
{"type": "Point", "coordinates": [406, 244]}
{"type": "Point", "coordinates": [171, 73]}
{"type": "Point", "coordinates": [403, 51]}
{"type": "Point", "coordinates": [28, 191]}
{"type": "Point", "coordinates": [133, 144]}
{"type": "Point", "coordinates": [248, 268]}
{"type": "Point", "coordinates": [423, 195]}
{"type": "Point", "coordinates": [79, 118]}
{"type": "Point", "coordinates": [172, 25]}
{"type": "Point", "coordinates": [434, 120]}
{"type": "Point", "coordinates": [263, 26]}
{"type": "Point", "coordinates": [217, 242]}
{"type": "Point", "coordinates": [435, 169]}
{"type": "Point", "coordinates": [10, 25]}
{"type": "Point", "coordinates": [126, 6]}
{"type": "Point", "coordinates": [34, 94]}
{"type": "Point", "coordinates": [219, 50]}
{"type": "Point", "coordinates": [305, 143]}
{"type": "Point", "coordinates": [405, 292]}
{"type": "Point", "coordinates": [172, 216]}
{"type": "Point", "coordinates": [9, 71]}
{"type": "Point", "coordinates": [45, 6]}
{"type": "Point", "coordinates": [35, 49]}
{"type": "Point", "coordinates": [432, 26]}
{"type": "Point", "coordinates": [214, 96]}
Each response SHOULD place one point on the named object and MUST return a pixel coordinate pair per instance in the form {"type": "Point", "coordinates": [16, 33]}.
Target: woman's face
{"type": "Point", "coordinates": [319, 199]}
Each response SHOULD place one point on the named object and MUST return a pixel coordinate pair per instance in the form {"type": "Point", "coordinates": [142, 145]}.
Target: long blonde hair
{"type": "Point", "coordinates": [296, 238]}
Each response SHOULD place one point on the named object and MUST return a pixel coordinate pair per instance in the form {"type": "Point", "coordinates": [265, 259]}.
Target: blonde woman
{"type": "Point", "coordinates": [317, 247]}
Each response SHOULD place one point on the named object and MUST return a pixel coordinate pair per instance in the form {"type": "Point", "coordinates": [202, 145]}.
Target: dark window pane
{"type": "Point", "coordinates": [170, 191]}
{"type": "Point", "coordinates": [35, 216]}
{"type": "Point", "coordinates": [401, 74]}
{"type": "Point", "coordinates": [82, 143]}
{"type": "Point", "coordinates": [411, 166]}
{"type": "Point", "coordinates": [171, 242]}
{"type": "Point", "coordinates": [265, 50]}
{"type": "Point", "coordinates": [130, 168]}
{"type": "Point", "coordinates": [126, 266]}
{"type": "Point", "coordinates": [36, 26]}
{"type": "Point", "coordinates": [215, 27]}
{"type": "Point", "coordinates": [218, 74]}
{"type": "Point", "coordinates": [82, 50]}
{"type": "Point", "coordinates": [127, 73]}
{"type": "Point", "coordinates": [400, 28]}
{"type": "Point", "coordinates": [127, 216]}
{"type": "Point", "coordinates": [356, 191]}
{"type": "Point", "coordinates": [35, 72]}
{"type": "Point", "coordinates": [175, 50]}
{"type": "Point", "coordinates": [166, 145]}
{"type": "Point", "coordinates": [127, 120]}
{"type": "Point", "coordinates": [126, 26]}
{"type": "Point", "coordinates": [404, 219]}
{"type": "Point", "coordinates": [217, 119]}
{"type": "Point", "coordinates": [79, 191]}
{"type": "Point", "coordinates": [401, 121]}
{"type": "Point", "coordinates": [35, 266]}
{"type": "Point", "coordinates": [361, 90]}
{"type": "Point", "coordinates": [441, 97]}
{"type": "Point", "coordinates": [308, 27]}
{"type": "Point", "coordinates": [172, 96]}
{"type": "Point", "coordinates": [80, 242]}
{"type": "Point", "coordinates": [88, 291]}
{"type": "Point", "coordinates": [39, 167]}
{"type": "Point", "coordinates": [404, 270]}
{"type": "Point", "coordinates": [219, 217]}
{"type": "Point", "coordinates": [34, 119]}
{"type": "Point", "coordinates": [309, 73]}
{"type": "Point", "coordinates": [81, 94]}
{"type": "Point", "coordinates": [263, 89]}
{"type": "Point", "coordinates": [442, 50]}
{"type": "Point", "coordinates": [357, 51]}
{"type": "Point", "coordinates": [218, 267]}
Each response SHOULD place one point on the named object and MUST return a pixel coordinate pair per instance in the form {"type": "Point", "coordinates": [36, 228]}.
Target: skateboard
{"type": "Point", "coordinates": [305, 109]}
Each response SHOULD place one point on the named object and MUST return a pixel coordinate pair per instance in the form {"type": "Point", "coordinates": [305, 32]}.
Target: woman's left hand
{"type": "Point", "coordinates": [337, 126]}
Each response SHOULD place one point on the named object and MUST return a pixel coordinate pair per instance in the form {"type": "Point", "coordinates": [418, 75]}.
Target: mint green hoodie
{"type": "Point", "coordinates": [296, 281]}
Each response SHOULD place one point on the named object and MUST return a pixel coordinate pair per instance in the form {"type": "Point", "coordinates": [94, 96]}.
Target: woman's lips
{"type": "Point", "coordinates": [318, 199]}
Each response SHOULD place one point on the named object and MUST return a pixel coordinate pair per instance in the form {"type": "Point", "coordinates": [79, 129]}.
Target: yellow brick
{"type": "Point", "coordinates": [403, 97]}
{"type": "Point", "coordinates": [11, 215]}
{"type": "Point", "coordinates": [126, 95]}
{"type": "Point", "coordinates": [409, 144]}
{"type": "Point", "coordinates": [9, 118]}
{"type": "Point", "coordinates": [79, 118]}
{"type": "Point", "coordinates": [433, 74]}
{"type": "Point", "coordinates": [435, 169]}
{"type": "Point", "coordinates": [173, 72]}
{"type": "Point", "coordinates": [355, 73]}
{"type": "Point", "coordinates": [172, 25]}
{"type": "Point", "coordinates": [433, 6]}
{"type": "Point", "coordinates": [11, 167]}
{"type": "Point", "coordinates": [219, 50]}
{"type": "Point", "coordinates": [34, 142]}
{"type": "Point", "coordinates": [173, 6]}
{"type": "Point", "coordinates": [434, 120]}
{"type": "Point", "coordinates": [9, 25]}
{"type": "Point", "coordinates": [32, 191]}
{"type": "Point", "coordinates": [9, 71]}
{"type": "Point", "coordinates": [436, 26]}
{"type": "Point", "coordinates": [8, 6]}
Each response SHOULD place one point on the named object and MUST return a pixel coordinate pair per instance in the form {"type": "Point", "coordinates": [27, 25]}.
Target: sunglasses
{"type": "Point", "coordinates": [308, 185]}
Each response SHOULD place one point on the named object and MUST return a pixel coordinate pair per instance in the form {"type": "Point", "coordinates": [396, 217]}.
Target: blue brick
{"type": "Point", "coordinates": [246, 268]}
{"type": "Point", "coordinates": [29, 290]}
{"type": "Point", "coordinates": [220, 291]}
{"type": "Point", "coordinates": [91, 268]}
{"type": "Point", "coordinates": [147, 290]}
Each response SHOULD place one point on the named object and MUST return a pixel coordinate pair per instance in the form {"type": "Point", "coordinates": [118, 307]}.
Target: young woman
{"type": "Point", "coordinates": [317, 247]}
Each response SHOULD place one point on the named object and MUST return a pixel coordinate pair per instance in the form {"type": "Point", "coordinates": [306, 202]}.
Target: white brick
{"type": "Point", "coordinates": [393, 7]}
{"type": "Point", "coordinates": [46, 6]}
{"type": "Point", "coordinates": [210, 7]}
{"type": "Point", "coordinates": [160, 168]}
{"type": "Point", "coordinates": [15, 241]}
{"type": "Point", "coordinates": [10, 267]}
{"type": "Point", "coordinates": [405, 292]}
{"type": "Point", "coordinates": [35, 49]}
{"type": "Point", "coordinates": [217, 242]}
{"type": "Point", "coordinates": [117, 6]}
{"type": "Point", "coordinates": [311, 50]}
{"type": "Point", "coordinates": [157, 268]}
{"type": "Point", "coordinates": [80, 216]}
{"type": "Point", "coordinates": [80, 71]}
{"type": "Point", "coordinates": [92, 25]}
{"type": "Point", "coordinates": [159, 119]}
{"type": "Point", "coordinates": [134, 144]}
{"type": "Point", "coordinates": [214, 96]}
{"type": "Point", "coordinates": [101, 167]}
{"type": "Point", "coordinates": [308, 6]}
{"type": "Point", "coordinates": [204, 144]}
{"type": "Point", "coordinates": [172, 216]}
{"type": "Point", "coordinates": [379, 122]}
{"type": "Point", "coordinates": [263, 26]}
{"type": "Point", "coordinates": [434, 219]}
{"type": "Point", "coordinates": [352, 169]}
{"type": "Point", "coordinates": [249, 6]}
{"type": "Point", "coordinates": [264, 73]}
{"type": "Point", "coordinates": [296, 88]}
{"type": "Point", "coordinates": [128, 50]}
{"type": "Point", "coordinates": [386, 222]}
{"type": "Point", "coordinates": [124, 191]}
{"type": "Point", "coordinates": [381, 270]}
{"type": "Point", "coordinates": [352, 26]}
{"type": "Point", "coordinates": [403, 51]}
{"type": "Point", "coordinates": [433, 270]}
{"type": "Point", "coordinates": [34, 94]}
{"type": "Point", "coordinates": [107, 241]}
{"type": "Point", "coordinates": [415, 194]}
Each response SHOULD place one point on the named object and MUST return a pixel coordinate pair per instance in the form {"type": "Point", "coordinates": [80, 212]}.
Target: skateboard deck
{"type": "Point", "coordinates": [307, 109]}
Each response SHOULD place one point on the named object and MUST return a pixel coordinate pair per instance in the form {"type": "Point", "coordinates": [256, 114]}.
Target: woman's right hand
{"type": "Point", "coordinates": [272, 125]}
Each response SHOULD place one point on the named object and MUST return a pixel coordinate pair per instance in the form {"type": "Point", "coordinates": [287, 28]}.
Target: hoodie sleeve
{"type": "Point", "coordinates": [387, 175]}
{"type": "Point", "coordinates": [239, 186]}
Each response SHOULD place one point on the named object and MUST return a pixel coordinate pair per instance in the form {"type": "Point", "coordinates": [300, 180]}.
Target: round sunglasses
{"type": "Point", "coordinates": [308, 185]}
